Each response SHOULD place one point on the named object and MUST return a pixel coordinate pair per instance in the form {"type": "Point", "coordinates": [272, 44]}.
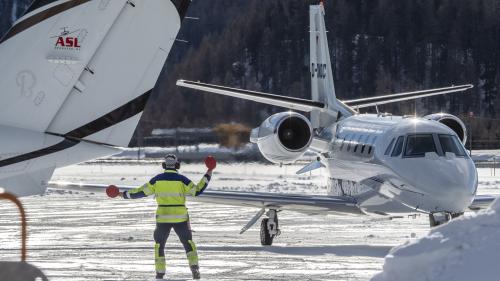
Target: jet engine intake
{"type": "Point", "coordinates": [284, 137]}
{"type": "Point", "coordinates": [451, 122]}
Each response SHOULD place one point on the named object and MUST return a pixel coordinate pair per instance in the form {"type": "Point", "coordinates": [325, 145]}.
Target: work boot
{"type": "Point", "coordinates": [159, 276]}
{"type": "Point", "coordinates": [196, 271]}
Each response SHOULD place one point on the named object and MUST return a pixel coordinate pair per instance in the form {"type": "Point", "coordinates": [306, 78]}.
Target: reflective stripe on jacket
{"type": "Point", "coordinates": [170, 189]}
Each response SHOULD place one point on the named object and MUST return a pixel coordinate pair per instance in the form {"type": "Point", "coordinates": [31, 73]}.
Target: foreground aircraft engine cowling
{"type": "Point", "coordinates": [284, 137]}
{"type": "Point", "coordinates": [451, 122]}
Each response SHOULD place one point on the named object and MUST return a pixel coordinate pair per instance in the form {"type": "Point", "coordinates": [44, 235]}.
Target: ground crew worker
{"type": "Point", "coordinates": [170, 189]}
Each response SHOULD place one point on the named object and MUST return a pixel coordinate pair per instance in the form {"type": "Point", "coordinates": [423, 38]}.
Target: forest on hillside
{"type": "Point", "coordinates": [377, 47]}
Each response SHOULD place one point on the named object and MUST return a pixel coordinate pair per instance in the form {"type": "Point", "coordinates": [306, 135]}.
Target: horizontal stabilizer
{"type": "Point", "coordinates": [282, 101]}
{"type": "Point", "coordinates": [374, 101]}
{"type": "Point", "coordinates": [34, 183]}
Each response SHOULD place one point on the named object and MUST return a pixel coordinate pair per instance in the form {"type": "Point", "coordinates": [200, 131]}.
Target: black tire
{"type": "Point", "coordinates": [448, 217]}
{"type": "Point", "coordinates": [432, 221]}
{"type": "Point", "coordinates": [265, 238]}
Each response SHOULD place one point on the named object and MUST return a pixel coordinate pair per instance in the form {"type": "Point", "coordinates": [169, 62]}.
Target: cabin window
{"type": "Point", "coordinates": [359, 143]}
{"type": "Point", "coordinates": [389, 147]}
{"type": "Point", "coordinates": [419, 145]}
{"type": "Point", "coordinates": [364, 143]}
{"type": "Point", "coordinates": [398, 148]}
{"type": "Point", "coordinates": [372, 145]}
{"type": "Point", "coordinates": [451, 144]}
{"type": "Point", "coordinates": [349, 141]}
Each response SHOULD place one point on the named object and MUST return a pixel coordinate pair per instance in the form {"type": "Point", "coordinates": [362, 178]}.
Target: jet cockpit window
{"type": "Point", "coordinates": [389, 147]}
{"type": "Point", "coordinates": [451, 144]}
{"type": "Point", "coordinates": [398, 148]}
{"type": "Point", "coordinates": [418, 145]}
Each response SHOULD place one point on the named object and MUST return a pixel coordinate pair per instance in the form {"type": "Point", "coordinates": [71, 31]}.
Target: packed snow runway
{"type": "Point", "coordinates": [87, 236]}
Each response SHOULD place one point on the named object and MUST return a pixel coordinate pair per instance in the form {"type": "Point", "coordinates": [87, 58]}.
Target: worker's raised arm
{"type": "Point", "coordinates": [197, 189]}
{"type": "Point", "coordinates": [140, 192]}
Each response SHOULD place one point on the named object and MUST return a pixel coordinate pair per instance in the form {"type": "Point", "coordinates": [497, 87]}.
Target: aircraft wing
{"type": "Point", "coordinates": [374, 101]}
{"type": "Point", "coordinates": [277, 100]}
{"type": "Point", "coordinates": [300, 203]}
{"type": "Point", "coordinates": [280, 201]}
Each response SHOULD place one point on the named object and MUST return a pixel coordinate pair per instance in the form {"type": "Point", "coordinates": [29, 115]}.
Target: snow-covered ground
{"type": "Point", "coordinates": [86, 236]}
{"type": "Point", "coordinates": [462, 250]}
{"type": "Point", "coordinates": [465, 249]}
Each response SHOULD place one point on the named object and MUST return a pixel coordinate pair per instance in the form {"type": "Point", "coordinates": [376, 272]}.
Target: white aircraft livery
{"type": "Point", "coordinates": [377, 163]}
{"type": "Point", "coordinates": [76, 76]}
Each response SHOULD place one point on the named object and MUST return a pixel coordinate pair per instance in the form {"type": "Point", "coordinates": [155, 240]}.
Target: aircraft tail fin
{"type": "Point", "coordinates": [322, 86]}
{"type": "Point", "coordinates": [92, 70]}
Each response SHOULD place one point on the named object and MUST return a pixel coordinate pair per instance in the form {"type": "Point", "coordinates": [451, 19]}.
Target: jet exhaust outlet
{"type": "Point", "coordinates": [284, 137]}
{"type": "Point", "coordinates": [294, 133]}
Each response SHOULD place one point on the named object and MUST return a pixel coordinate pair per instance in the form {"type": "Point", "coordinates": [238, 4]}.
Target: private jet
{"type": "Point", "coordinates": [378, 164]}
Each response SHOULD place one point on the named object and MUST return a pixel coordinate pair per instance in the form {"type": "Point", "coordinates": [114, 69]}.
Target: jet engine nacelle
{"type": "Point", "coordinates": [451, 122]}
{"type": "Point", "coordinates": [284, 137]}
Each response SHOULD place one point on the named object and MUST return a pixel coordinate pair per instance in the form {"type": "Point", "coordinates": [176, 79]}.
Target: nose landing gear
{"type": "Point", "coordinates": [440, 218]}
{"type": "Point", "coordinates": [269, 228]}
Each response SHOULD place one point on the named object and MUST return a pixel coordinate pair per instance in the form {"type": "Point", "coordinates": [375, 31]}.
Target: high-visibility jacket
{"type": "Point", "coordinates": [170, 189]}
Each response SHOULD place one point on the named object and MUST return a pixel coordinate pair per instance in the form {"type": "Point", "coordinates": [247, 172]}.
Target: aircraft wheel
{"type": "Point", "coordinates": [266, 239]}
{"type": "Point", "coordinates": [440, 218]}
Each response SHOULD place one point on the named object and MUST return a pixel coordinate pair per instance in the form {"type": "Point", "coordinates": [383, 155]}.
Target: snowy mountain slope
{"type": "Point", "coordinates": [463, 250]}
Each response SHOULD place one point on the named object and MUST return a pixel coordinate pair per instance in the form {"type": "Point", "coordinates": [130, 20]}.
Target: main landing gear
{"type": "Point", "coordinates": [440, 218]}
{"type": "Point", "coordinates": [269, 228]}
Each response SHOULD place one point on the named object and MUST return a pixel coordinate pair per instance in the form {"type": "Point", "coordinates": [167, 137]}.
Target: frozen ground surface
{"type": "Point", "coordinates": [86, 236]}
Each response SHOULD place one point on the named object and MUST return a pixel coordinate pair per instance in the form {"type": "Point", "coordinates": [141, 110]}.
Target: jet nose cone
{"type": "Point", "coordinates": [445, 184]}
{"type": "Point", "coordinates": [458, 183]}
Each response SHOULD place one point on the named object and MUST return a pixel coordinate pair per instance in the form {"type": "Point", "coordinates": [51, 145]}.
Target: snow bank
{"type": "Point", "coordinates": [464, 249]}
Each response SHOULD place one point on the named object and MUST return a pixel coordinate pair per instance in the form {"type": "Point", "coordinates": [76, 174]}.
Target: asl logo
{"type": "Point", "coordinates": [69, 42]}
{"type": "Point", "coordinates": [66, 40]}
